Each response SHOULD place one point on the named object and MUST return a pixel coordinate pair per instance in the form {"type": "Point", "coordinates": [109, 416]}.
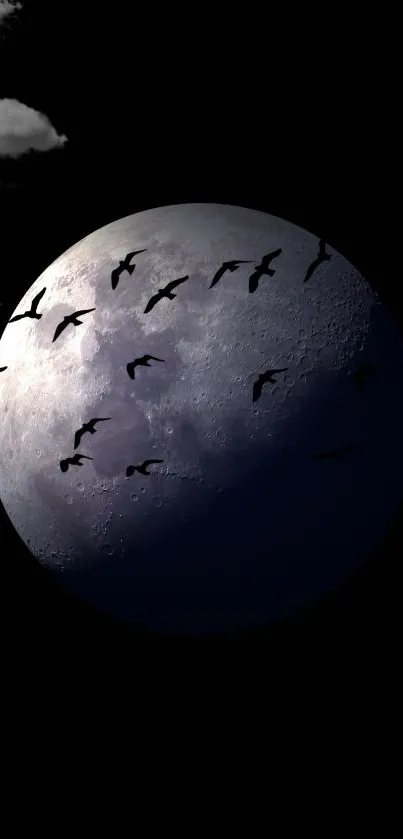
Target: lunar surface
{"type": "Point", "coordinates": [244, 520]}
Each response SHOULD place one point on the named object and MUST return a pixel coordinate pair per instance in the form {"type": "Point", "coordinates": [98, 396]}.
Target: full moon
{"type": "Point", "coordinates": [263, 494]}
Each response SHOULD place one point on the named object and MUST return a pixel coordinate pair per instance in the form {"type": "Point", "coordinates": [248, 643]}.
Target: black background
{"type": "Point", "coordinates": [296, 118]}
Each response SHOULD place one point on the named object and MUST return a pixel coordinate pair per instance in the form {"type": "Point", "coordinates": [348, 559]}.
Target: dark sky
{"type": "Point", "coordinates": [160, 111]}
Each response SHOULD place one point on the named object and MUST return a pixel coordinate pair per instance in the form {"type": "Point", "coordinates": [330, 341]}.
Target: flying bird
{"type": "Point", "coordinates": [73, 319]}
{"type": "Point", "coordinates": [164, 292]}
{"type": "Point", "coordinates": [87, 427]}
{"type": "Point", "coordinates": [2, 369]}
{"type": "Point", "coordinates": [262, 379]}
{"type": "Point", "coordinates": [363, 373]}
{"type": "Point", "coordinates": [263, 268]}
{"type": "Point", "coordinates": [73, 461]}
{"type": "Point", "coordinates": [140, 362]}
{"type": "Point", "coordinates": [336, 454]}
{"type": "Point", "coordinates": [232, 265]}
{"type": "Point", "coordinates": [124, 266]}
{"type": "Point", "coordinates": [321, 257]}
{"type": "Point", "coordinates": [32, 312]}
{"type": "Point", "coordinates": [141, 467]}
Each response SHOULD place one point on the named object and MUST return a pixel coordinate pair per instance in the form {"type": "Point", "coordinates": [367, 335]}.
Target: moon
{"type": "Point", "coordinates": [241, 523]}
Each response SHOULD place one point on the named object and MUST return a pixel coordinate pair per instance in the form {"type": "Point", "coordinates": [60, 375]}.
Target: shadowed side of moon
{"type": "Point", "coordinates": [248, 523]}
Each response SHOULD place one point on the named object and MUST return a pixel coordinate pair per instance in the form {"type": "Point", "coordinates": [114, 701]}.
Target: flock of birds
{"type": "Point", "coordinates": [262, 269]}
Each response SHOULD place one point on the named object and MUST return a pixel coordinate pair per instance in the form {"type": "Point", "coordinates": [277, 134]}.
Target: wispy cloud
{"type": "Point", "coordinates": [7, 7]}
{"type": "Point", "coordinates": [22, 129]}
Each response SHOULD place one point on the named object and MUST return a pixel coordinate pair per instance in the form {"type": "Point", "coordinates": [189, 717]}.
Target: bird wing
{"type": "Point", "coordinates": [17, 317]}
{"type": "Point", "coordinates": [152, 302]}
{"type": "Point", "coordinates": [77, 456]}
{"type": "Point", "coordinates": [345, 449]}
{"type": "Point", "coordinates": [36, 300]}
{"type": "Point", "coordinates": [335, 453]}
{"type": "Point", "coordinates": [359, 377]}
{"type": "Point", "coordinates": [130, 368]}
{"type": "Point", "coordinates": [257, 390]}
{"type": "Point", "coordinates": [267, 258]}
{"type": "Point", "coordinates": [115, 276]}
{"type": "Point", "coordinates": [2, 369]}
{"type": "Point", "coordinates": [77, 437]}
{"type": "Point", "coordinates": [98, 419]}
{"type": "Point", "coordinates": [369, 368]}
{"type": "Point", "coordinates": [253, 281]}
{"type": "Point", "coordinates": [149, 462]}
{"type": "Point", "coordinates": [363, 372]}
{"type": "Point", "coordinates": [130, 255]}
{"type": "Point", "coordinates": [175, 283]}
{"type": "Point", "coordinates": [59, 329]}
{"type": "Point", "coordinates": [329, 455]}
{"type": "Point", "coordinates": [82, 312]}
{"type": "Point", "coordinates": [218, 275]}
{"type": "Point", "coordinates": [311, 268]}
{"type": "Point", "coordinates": [273, 372]}
{"type": "Point", "coordinates": [152, 358]}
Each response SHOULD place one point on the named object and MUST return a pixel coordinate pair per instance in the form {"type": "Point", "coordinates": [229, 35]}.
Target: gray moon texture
{"type": "Point", "coordinates": [239, 525]}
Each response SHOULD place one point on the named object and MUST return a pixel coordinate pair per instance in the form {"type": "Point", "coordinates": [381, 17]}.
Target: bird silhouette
{"type": "Point", "coordinates": [124, 266]}
{"type": "Point", "coordinates": [31, 313]}
{"type": "Point", "coordinates": [140, 362]}
{"type": "Point", "coordinates": [87, 428]}
{"type": "Point", "coordinates": [73, 461]}
{"type": "Point", "coordinates": [73, 319]}
{"type": "Point", "coordinates": [141, 467]}
{"type": "Point", "coordinates": [263, 268]}
{"type": "Point", "coordinates": [363, 373]}
{"type": "Point", "coordinates": [263, 379]}
{"type": "Point", "coordinates": [321, 257]}
{"type": "Point", "coordinates": [335, 454]}
{"type": "Point", "coordinates": [164, 292]}
{"type": "Point", "coordinates": [2, 369]}
{"type": "Point", "coordinates": [232, 265]}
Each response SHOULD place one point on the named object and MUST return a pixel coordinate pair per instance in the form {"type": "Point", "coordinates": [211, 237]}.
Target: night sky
{"type": "Point", "coordinates": [300, 128]}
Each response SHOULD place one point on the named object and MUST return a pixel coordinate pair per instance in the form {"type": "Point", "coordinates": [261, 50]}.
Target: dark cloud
{"type": "Point", "coordinates": [8, 7]}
